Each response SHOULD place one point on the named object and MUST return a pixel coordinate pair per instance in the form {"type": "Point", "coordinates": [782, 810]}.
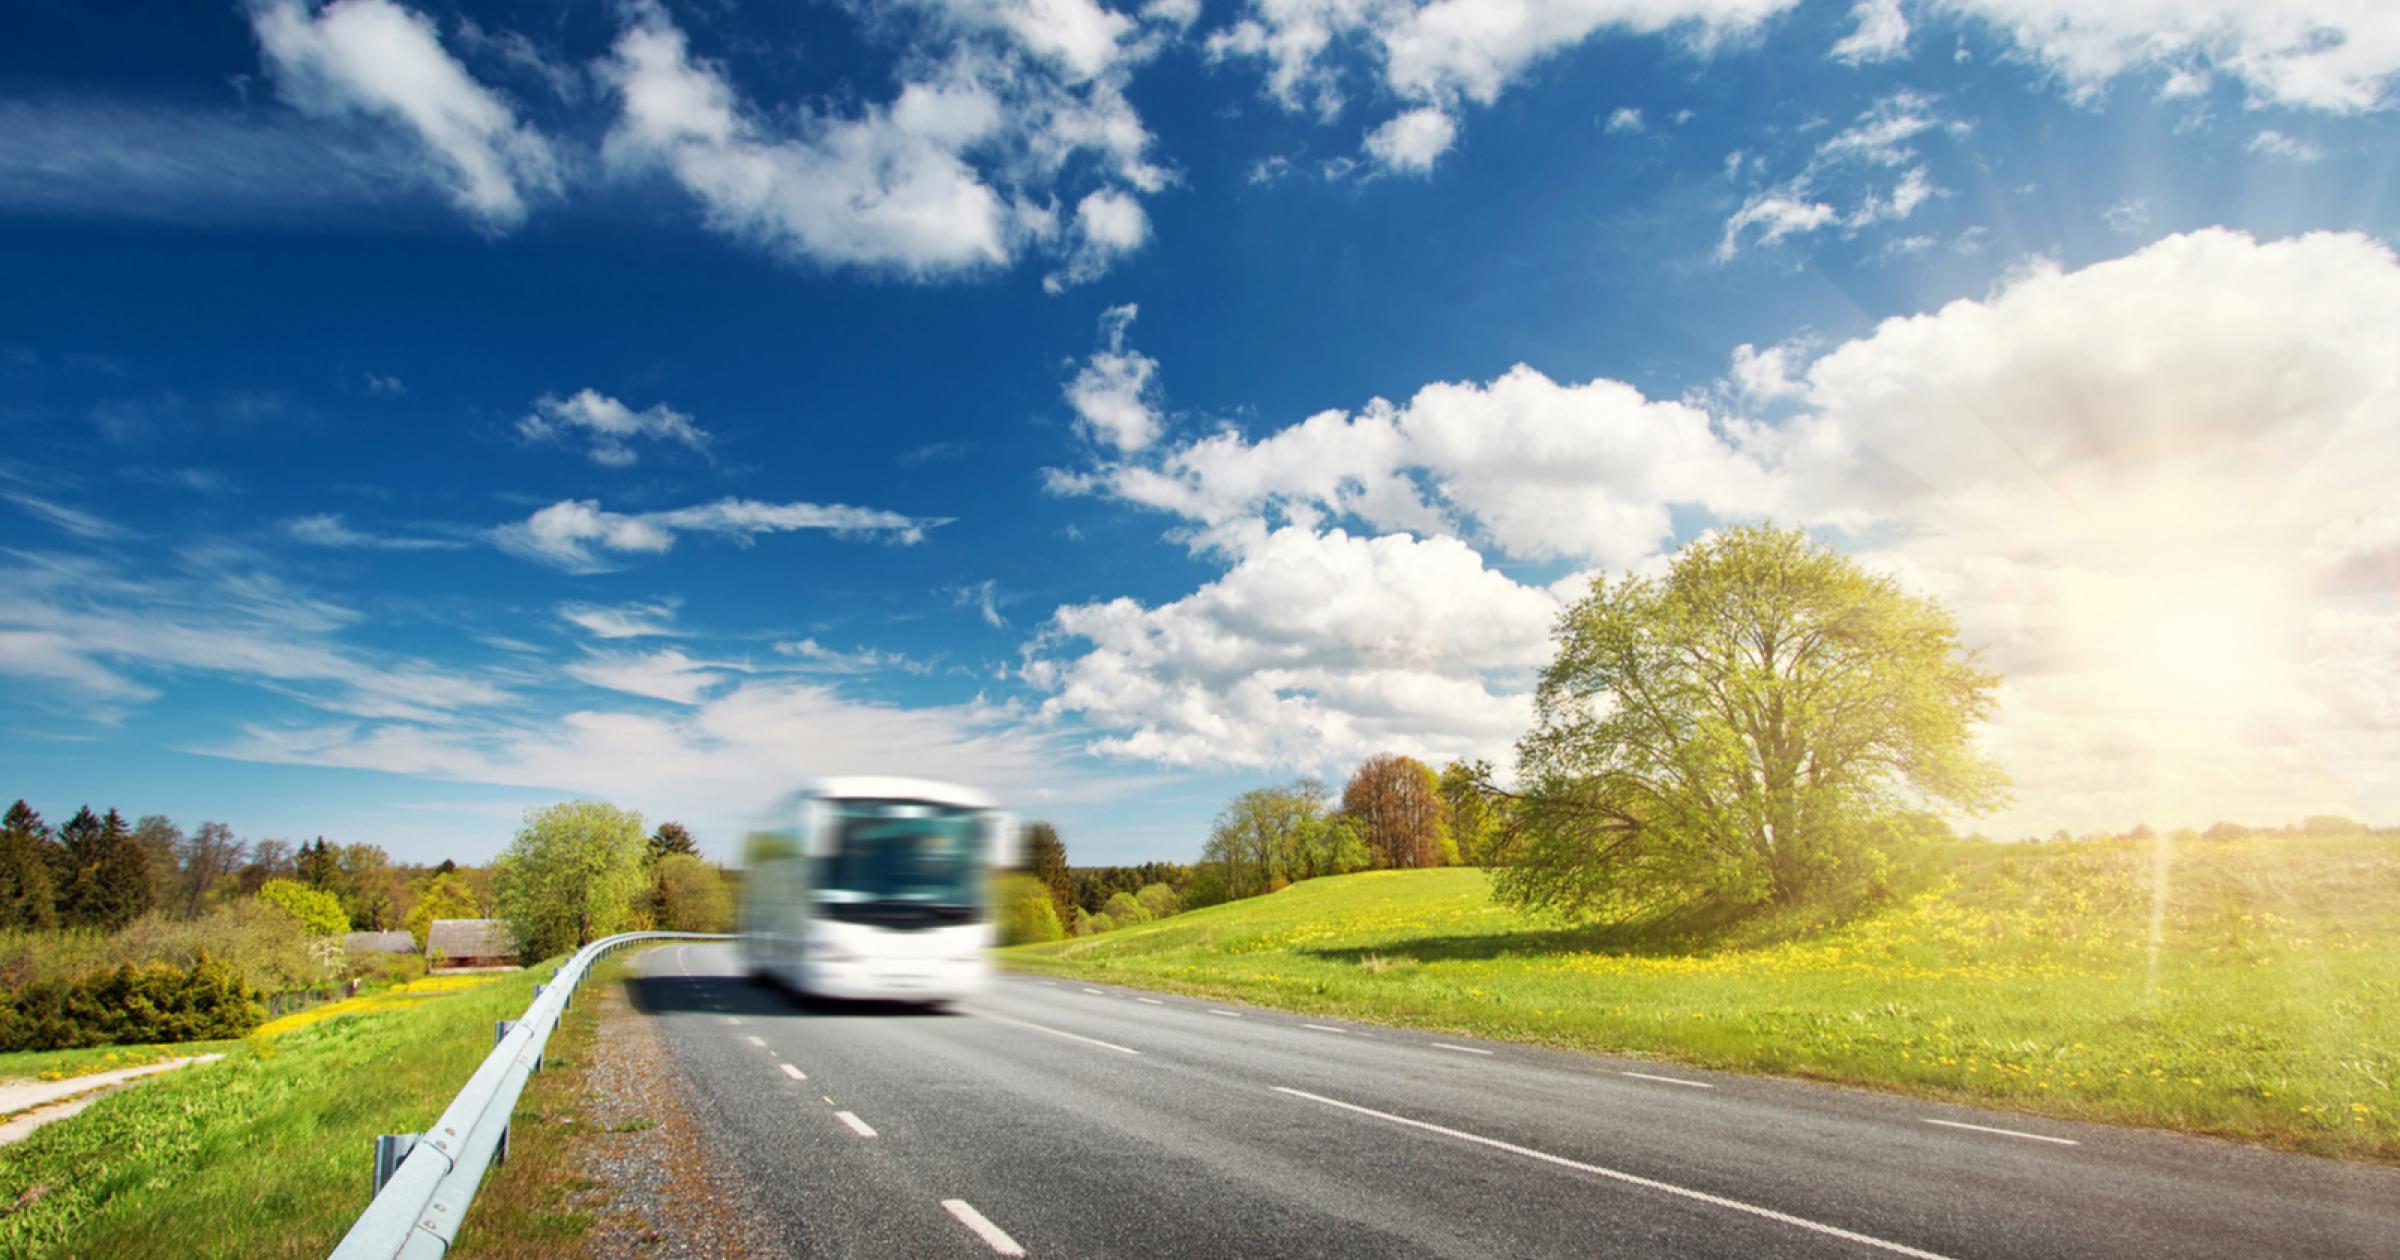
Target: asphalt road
{"type": "Point", "coordinates": [1055, 1119]}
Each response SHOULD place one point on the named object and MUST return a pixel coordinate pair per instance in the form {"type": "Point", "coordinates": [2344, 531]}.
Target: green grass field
{"type": "Point", "coordinates": [266, 1153]}
{"type": "Point", "coordinates": [2268, 1009]}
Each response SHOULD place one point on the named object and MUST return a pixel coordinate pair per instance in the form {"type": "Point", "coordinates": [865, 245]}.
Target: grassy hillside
{"type": "Point", "coordinates": [2268, 1008]}
{"type": "Point", "coordinates": [265, 1153]}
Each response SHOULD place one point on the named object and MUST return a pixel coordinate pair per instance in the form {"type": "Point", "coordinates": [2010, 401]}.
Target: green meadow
{"type": "Point", "coordinates": [2247, 989]}
{"type": "Point", "coordinates": [264, 1153]}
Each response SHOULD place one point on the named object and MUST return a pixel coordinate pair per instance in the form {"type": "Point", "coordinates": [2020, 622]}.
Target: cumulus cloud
{"type": "Point", "coordinates": [2335, 55]}
{"type": "Point", "coordinates": [951, 177]}
{"type": "Point", "coordinates": [574, 534]}
{"type": "Point", "coordinates": [2155, 491]}
{"type": "Point", "coordinates": [2275, 144]}
{"type": "Point", "coordinates": [1314, 648]}
{"type": "Point", "coordinates": [382, 61]}
{"type": "Point", "coordinates": [1109, 224]}
{"type": "Point", "coordinates": [1409, 143]}
{"type": "Point", "coordinates": [1625, 120]}
{"type": "Point", "coordinates": [607, 427]}
{"type": "Point", "coordinates": [1440, 53]}
{"type": "Point", "coordinates": [1114, 393]}
{"type": "Point", "coordinates": [1879, 33]}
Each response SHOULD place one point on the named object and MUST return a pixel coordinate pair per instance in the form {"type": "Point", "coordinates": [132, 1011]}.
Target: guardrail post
{"type": "Point", "coordinates": [390, 1149]}
{"type": "Point", "coordinates": [500, 1029]}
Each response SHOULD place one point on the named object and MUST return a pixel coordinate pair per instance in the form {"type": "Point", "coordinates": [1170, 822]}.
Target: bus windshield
{"type": "Point", "coordinates": [889, 851]}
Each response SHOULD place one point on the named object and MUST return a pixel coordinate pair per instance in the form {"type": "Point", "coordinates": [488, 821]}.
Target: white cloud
{"type": "Point", "coordinates": [952, 177]}
{"type": "Point", "coordinates": [1881, 33]}
{"type": "Point", "coordinates": [1848, 162]}
{"type": "Point", "coordinates": [639, 620]}
{"type": "Point", "coordinates": [328, 529]}
{"type": "Point", "coordinates": [2129, 217]}
{"type": "Point", "coordinates": [1625, 120]}
{"type": "Point", "coordinates": [1439, 53]}
{"type": "Point", "coordinates": [82, 626]}
{"type": "Point", "coordinates": [1109, 224]}
{"type": "Point", "coordinates": [1541, 469]}
{"type": "Point", "coordinates": [381, 60]}
{"type": "Point", "coordinates": [73, 520]}
{"type": "Point", "coordinates": [1314, 649]}
{"type": "Point", "coordinates": [814, 656]}
{"type": "Point", "coordinates": [712, 762]}
{"type": "Point", "coordinates": [2275, 144]}
{"type": "Point", "coordinates": [1115, 394]}
{"type": "Point", "coordinates": [984, 597]}
{"type": "Point", "coordinates": [386, 386]}
{"type": "Point", "coordinates": [2335, 55]}
{"type": "Point", "coordinates": [2155, 492]}
{"type": "Point", "coordinates": [1773, 215]}
{"type": "Point", "coordinates": [607, 425]}
{"type": "Point", "coordinates": [663, 675]}
{"type": "Point", "coordinates": [1409, 143]}
{"type": "Point", "coordinates": [572, 534]}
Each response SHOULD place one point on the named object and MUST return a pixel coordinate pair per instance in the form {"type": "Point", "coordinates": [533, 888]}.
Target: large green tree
{"type": "Point", "coordinates": [570, 875]}
{"type": "Point", "coordinates": [1263, 835]}
{"type": "Point", "coordinates": [1753, 726]}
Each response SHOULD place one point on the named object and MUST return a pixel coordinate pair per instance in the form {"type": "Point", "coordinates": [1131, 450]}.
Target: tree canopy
{"type": "Point", "coordinates": [1398, 807]}
{"type": "Point", "coordinates": [318, 910]}
{"type": "Point", "coordinates": [1755, 725]}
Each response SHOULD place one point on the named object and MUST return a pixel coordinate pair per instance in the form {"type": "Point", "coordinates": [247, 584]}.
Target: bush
{"type": "Point", "coordinates": [1025, 913]}
{"type": "Point", "coordinates": [131, 1005]}
{"type": "Point", "coordinates": [1158, 900]}
{"type": "Point", "coordinates": [267, 947]}
{"type": "Point", "coordinates": [1124, 911]}
{"type": "Point", "coordinates": [692, 896]}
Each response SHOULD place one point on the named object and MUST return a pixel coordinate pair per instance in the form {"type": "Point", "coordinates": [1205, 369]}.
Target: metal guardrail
{"type": "Point", "coordinates": [416, 1213]}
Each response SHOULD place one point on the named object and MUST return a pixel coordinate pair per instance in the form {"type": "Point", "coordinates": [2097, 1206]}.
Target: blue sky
{"type": "Point", "coordinates": [417, 412]}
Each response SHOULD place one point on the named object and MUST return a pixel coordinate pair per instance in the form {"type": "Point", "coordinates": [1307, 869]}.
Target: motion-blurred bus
{"type": "Point", "coordinates": [874, 888]}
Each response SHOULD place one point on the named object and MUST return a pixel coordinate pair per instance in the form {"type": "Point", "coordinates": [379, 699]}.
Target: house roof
{"type": "Point", "coordinates": [470, 938]}
{"type": "Point", "coordinates": [380, 943]}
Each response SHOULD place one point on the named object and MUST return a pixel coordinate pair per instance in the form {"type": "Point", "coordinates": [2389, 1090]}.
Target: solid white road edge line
{"type": "Point", "coordinates": [1669, 1080]}
{"type": "Point", "coordinates": [1055, 1032]}
{"type": "Point", "coordinates": [1985, 1128]}
{"type": "Point", "coordinates": [1698, 1196]}
{"type": "Point", "coordinates": [1444, 1045]}
{"type": "Point", "coordinates": [793, 1072]}
{"type": "Point", "coordinates": [857, 1125]}
{"type": "Point", "coordinates": [992, 1235]}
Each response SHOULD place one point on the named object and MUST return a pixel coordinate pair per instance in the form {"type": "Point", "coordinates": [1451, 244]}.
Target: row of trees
{"type": "Point", "coordinates": [97, 871]}
{"type": "Point", "coordinates": [1395, 812]}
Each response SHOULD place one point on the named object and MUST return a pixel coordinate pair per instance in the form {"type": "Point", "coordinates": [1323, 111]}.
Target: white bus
{"type": "Point", "coordinates": [874, 888]}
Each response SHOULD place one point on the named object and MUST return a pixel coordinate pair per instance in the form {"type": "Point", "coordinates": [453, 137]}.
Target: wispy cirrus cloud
{"type": "Point", "coordinates": [329, 529]}
{"type": "Point", "coordinates": [578, 535]}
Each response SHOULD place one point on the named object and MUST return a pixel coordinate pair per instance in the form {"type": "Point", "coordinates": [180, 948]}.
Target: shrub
{"type": "Point", "coordinates": [692, 896]}
{"type": "Point", "coordinates": [156, 1002]}
{"type": "Point", "coordinates": [1158, 900]}
{"type": "Point", "coordinates": [1022, 907]}
{"type": "Point", "coordinates": [1124, 911]}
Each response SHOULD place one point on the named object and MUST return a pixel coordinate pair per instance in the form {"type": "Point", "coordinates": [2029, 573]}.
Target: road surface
{"type": "Point", "coordinates": [1058, 1119]}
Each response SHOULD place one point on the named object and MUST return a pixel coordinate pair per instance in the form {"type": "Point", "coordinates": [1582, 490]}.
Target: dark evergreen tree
{"type": "Point", "coordinates": [160, 841]}
{"type": "Point", "coordinates": [320, 866]}
{"type": "Point", "coordinates": [672, 837]}
{"type": "Point", "coordinates": [72, 860]}
{"type": "Point", "coordinates": [114, 888]}
{"type": "Point", "coordinates": [1046, 857]}
{"type": "Point", "coordinates": [28, 895]}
